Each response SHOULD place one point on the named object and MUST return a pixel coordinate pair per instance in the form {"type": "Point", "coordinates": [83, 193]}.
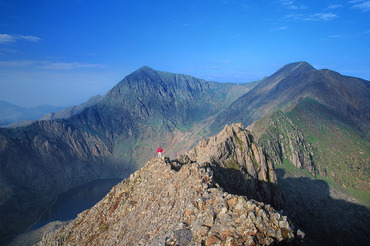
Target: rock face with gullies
{"type": "Point", "coordinates": [239, 164]}
{"type": "Point", "coordinates": [283, 139]}
{"type": "Point", "coordinates": [177, 202]}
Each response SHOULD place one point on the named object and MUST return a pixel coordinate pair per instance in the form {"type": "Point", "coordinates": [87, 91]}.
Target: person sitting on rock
{"type": "Point", "coordinates": [159, 151]}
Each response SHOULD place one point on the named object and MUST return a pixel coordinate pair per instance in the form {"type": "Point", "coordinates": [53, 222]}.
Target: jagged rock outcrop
{"type": "Point", "coordinates": [181, 202]}
{"type": "Point", "coordinates": [239, 164]}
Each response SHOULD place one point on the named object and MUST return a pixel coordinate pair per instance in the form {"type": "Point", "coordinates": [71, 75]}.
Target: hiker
{"type": "Point", "coordinates": [159, 151]}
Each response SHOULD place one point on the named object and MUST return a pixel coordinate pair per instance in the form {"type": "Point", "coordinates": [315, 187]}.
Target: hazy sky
{"type": "Point", "coordinates": [61, 52]}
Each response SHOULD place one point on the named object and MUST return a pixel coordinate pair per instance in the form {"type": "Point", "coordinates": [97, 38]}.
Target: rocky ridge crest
{"type": "Point", "coordinates": [239, 164]}
{"type": "Point", "coordinates": [180, 202]}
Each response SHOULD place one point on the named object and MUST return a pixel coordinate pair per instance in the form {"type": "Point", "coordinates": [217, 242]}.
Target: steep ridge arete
{"type": "Point", "coordinates": [180, 202]}
{"type": "Point", "coordinates": [348, 96]}
{"type": "Point", "coordinates": [109, 138]}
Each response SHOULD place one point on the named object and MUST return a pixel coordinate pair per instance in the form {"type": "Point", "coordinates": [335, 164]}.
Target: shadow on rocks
{"type": "Point", "coordinates": [325, 221]}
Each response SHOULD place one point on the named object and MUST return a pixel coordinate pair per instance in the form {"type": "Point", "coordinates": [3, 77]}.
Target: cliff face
{"type": "Point", "coordinates": [182, 202]}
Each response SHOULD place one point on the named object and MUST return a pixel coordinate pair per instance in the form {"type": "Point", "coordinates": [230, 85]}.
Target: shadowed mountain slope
{"type": "Point", "coordinates": [322, 134]}
{"type": "Point", "coordinates": [318, 139]}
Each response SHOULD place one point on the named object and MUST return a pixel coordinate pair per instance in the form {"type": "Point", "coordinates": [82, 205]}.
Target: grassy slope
{"type": "Point", "coordinates": [342, 154]}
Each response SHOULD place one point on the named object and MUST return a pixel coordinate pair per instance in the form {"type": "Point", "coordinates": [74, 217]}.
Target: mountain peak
{"type": "Point", "coordinates": [296, 67]}
{"type": "Point", "coordinates": [302, 63]}
{"type": "Point", "coordinates": [145, 68]}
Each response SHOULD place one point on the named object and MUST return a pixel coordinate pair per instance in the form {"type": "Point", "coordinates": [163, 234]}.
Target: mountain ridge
{"type": "Point", "coordinates": [283, 89]}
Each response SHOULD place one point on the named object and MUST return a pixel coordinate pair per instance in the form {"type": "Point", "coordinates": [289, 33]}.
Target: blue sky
{"type": "Point", "coordinates": [61, 52]}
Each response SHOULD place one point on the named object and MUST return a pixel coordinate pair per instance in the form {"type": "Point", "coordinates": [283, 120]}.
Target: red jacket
{"type": "Point", "coordinates": [159, 150]}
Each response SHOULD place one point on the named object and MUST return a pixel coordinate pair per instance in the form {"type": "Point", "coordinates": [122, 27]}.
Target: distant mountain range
{"type": "Point", "coordinates": [316, 121]}
{"type": "Point", "coordinates": [70, 111]}
{"type": "Point", "coordinates": [10, 113]}
{"type": "Point", "coordinates": [14, 116]}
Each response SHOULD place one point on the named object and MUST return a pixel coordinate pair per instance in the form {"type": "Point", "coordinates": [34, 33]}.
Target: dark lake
{"type": "Point", "coordinates": [76, 200]}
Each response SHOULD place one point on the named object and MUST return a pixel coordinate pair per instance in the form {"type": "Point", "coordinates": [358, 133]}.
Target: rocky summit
{"type": "Point", "coordinates": [184, 202]}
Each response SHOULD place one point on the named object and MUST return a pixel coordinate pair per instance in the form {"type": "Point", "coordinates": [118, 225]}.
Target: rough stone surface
{"type": "Point", "coordinates": [176, 202]}
{"type": "Point", "coordinates": [160, 206]}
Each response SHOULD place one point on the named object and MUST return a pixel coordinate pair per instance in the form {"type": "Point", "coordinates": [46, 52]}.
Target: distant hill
{"type": "Point", "coordinates": [10, 113]}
